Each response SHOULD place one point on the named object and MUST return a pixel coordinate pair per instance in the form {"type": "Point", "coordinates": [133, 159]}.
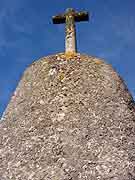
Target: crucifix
{"type": "Point", "coordinates": [70, 17]}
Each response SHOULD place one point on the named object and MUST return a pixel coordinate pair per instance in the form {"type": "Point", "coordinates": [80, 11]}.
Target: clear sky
{"type": "Point", "coordinates": [27, 33]}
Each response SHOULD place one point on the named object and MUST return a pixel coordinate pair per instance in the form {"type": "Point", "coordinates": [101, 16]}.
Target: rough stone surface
{"type": "Point", "coordinates": [70, 118]}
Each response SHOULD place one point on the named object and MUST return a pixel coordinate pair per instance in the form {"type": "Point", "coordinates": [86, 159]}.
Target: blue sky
{"type": "Point", "coordinates": [27, 33]}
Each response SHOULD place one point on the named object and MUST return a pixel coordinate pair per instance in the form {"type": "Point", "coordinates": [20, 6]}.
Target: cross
{"type": "Point", "coordinates": [70, 17]}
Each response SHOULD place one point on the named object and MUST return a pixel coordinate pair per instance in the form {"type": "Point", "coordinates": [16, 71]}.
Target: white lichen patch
{"type": "Point", "coordinates": [41, 102]}
{"type": "Point", "coordinates": [58, 58]}
{"type": "Point", "coordinates": [58, 117]}
{"type": "Point", "coordinates": [52, 72]}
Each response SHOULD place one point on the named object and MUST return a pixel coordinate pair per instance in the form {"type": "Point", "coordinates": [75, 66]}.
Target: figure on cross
{"type": "Point", "coordinates": [70, 17]}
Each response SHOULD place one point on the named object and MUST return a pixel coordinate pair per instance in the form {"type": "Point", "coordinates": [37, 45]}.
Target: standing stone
{"type": "Point", "coordinates": [70, 118]}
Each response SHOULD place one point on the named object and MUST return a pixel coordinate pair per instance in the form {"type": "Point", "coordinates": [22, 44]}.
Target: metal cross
{"type": "Point", "coordinates": [70, 17]}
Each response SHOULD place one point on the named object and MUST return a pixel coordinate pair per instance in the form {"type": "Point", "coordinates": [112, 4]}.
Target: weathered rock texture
{"type": "Point", "coordinates": [71, 118]}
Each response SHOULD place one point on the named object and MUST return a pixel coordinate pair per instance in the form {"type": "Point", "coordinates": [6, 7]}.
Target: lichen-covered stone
{"type": "Point", "coordinates": [70, 118]}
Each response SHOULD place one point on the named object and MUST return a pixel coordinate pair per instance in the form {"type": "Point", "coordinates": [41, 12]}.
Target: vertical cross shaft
{"type": "Point", "coordinates": [70, 41]}
{"type": "Point", "coordinates": [70, 17]}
